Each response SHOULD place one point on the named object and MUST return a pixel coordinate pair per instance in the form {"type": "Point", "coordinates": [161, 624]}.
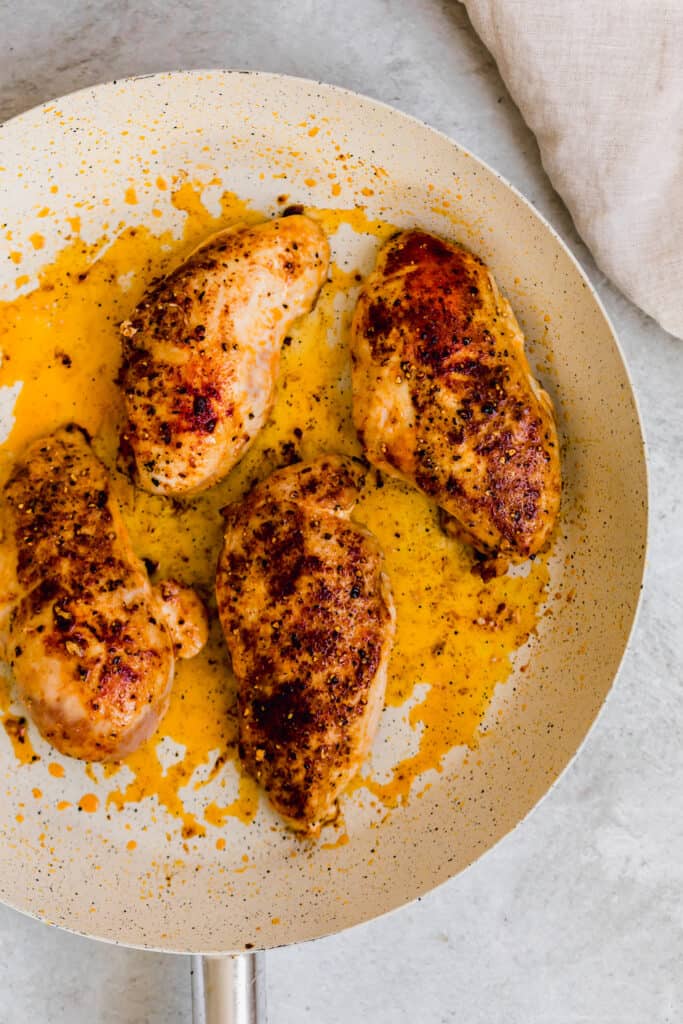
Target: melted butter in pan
{"type": "Point", "coordinates": [456, 634]}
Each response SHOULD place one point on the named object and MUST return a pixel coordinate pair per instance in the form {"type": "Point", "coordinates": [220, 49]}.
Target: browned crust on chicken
{"type": "Point", "coordinates": [201, 351]}
{"type": "Point", "coordinates": [309, 622]}
{"type": "Point", "coordinates": [82, 628]}
{"type": "Point", "coordinates": [444, 396]}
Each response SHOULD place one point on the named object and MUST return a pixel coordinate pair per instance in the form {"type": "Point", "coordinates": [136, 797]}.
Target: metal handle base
{"type": "Point", "coordinates": [229, 989]}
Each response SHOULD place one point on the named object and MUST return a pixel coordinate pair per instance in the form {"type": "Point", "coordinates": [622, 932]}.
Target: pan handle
{"type": "Point", "coordinates": [229, 989]}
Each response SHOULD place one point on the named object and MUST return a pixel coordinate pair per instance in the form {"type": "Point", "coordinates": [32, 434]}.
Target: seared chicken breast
{"type": "Point", "coordinates": [201, 351]}
{"type": "Point", "coordinates": [91, 643]}
{"type": "Point", "coordinates": [309, 621]}
{"type": "Point", "coordinates": [444, 396]}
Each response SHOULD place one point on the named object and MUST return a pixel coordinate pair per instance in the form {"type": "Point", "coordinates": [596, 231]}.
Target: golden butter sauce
{"type": "Point", "coordinates": [456, 634]}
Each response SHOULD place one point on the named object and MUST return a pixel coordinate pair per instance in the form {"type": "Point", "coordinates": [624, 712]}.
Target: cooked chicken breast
{"type": "Point", "coordinates": [444, 396]}
{"type": "Point", "coordinates": [309, 622]}
{"type": "Point", "coordinates": [201, 351]}
{"type": "Point", "coordinates": [91, 643]}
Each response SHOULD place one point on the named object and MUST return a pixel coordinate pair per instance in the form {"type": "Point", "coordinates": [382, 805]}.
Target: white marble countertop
{"type": "Point", "coordinates": [577, 917]}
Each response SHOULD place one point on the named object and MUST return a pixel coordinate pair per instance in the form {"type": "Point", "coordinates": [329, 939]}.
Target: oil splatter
{"type": "Point", "coordinates": [16, 727]}
{"type": "Point", "coordinates": [456, 634]}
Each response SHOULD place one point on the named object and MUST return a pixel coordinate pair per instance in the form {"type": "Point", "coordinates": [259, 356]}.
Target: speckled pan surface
{"type": "Point", "coordinates": [254, 132]}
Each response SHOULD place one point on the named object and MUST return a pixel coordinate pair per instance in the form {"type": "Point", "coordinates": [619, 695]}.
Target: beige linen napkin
{"type": "Point", "coordinates": [600, 83]}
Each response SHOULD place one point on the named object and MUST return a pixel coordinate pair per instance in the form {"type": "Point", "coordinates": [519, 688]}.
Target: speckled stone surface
{"type": "Point", "coordinates": [577, 917]}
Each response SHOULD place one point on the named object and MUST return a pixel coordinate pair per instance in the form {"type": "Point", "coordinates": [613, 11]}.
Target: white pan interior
{"type": "Point", "coordinates": [250, 130]}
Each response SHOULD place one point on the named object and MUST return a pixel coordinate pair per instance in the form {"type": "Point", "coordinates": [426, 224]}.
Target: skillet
{"type": "Point", "coordinates": [257, 131]}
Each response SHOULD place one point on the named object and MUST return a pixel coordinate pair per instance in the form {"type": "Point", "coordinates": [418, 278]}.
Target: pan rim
{"type": "Point", "coordinates": [398, 900]}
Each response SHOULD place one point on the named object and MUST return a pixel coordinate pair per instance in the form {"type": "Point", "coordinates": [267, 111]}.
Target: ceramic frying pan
{"type": "Point", "coordinates": [255, 131]}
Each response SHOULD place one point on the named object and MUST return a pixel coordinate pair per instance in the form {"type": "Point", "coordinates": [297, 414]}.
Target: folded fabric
{"type": "Point", "coordinates": [600, 83]}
